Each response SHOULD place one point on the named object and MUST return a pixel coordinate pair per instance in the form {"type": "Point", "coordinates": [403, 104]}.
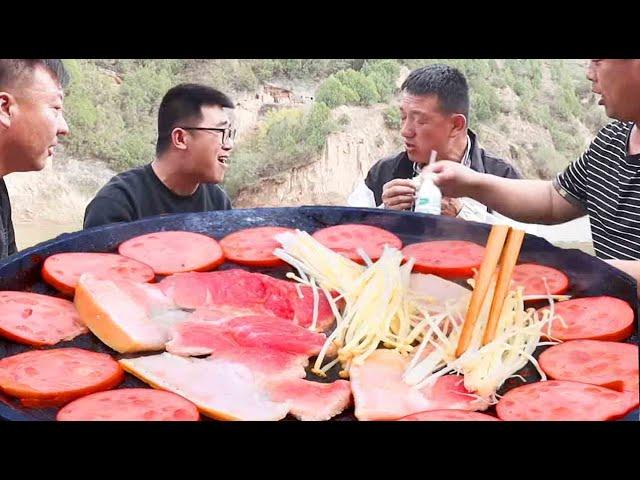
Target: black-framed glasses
{"type": "Point", "coordinates": [227, 133]}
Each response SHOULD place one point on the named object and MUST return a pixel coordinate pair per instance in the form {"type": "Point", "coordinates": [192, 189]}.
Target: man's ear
{"type": "Point", "coordinates": [179, 138]}
{"type": "Point", "coordinates": [458, 124]}
{"type": "Point", "coordinates": [7, 103]}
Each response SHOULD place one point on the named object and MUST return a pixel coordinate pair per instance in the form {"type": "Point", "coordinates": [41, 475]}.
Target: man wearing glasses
{"type": "Point", "coordinates": [195, 140]}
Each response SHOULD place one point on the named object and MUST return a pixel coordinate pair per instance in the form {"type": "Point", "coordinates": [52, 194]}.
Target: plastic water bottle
{"type": "Point", "coordinates": [429, 196]}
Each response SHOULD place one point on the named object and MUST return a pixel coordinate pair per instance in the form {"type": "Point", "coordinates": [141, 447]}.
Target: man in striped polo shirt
{"type": "Point", "coordinates": [603, 183]}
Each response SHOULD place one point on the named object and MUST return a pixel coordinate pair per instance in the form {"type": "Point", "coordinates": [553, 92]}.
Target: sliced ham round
{"type": "Point", "coordinates": [562, 400]}
{"type": "Point", "coordinates": [174, 251]}
{"type": "Point", "coordinates": [137, 404]}
{"type": "Point", "coordinates": [593, 318]}
{"type": "Point", "coordinates": [450, 415]}
{"type": "Point", "coordinates": [38, 320]}
{"type": "Point", "coordinates": [63, 270]}
{"type": "Point", "coordinates": [55, 377]}
{"type": "Point", "coordinates": [608, 364]}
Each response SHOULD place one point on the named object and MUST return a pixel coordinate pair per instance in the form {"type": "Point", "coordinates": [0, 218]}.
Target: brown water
{"type": "Point", "coordinates": [32, 233]}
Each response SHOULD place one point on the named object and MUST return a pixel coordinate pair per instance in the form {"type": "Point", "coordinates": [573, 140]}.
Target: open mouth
{"type": "Point", "coordinates": [223, 160]}
{"type": "Point", "coordinates": [599, 96]}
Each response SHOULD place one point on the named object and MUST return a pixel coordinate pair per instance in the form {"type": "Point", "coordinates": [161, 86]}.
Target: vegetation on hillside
{"type": "Point", "coordinates": [112, 105]}
{"type": "Point", "coordinates": [286, 139]}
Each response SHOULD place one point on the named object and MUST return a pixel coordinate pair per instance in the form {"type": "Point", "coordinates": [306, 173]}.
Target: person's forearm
{"type": "Point", "coordinates": [630, 267]}
{"type": "Point", "coordinates": [528, 201]}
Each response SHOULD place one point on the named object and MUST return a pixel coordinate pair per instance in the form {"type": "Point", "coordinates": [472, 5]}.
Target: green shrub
{"type": "Point", "coordinates": [392, 118]}
{"type": "Point", "coordinates": [244, 78]}
{"type": "Point", "coordinates": [479, 111]}
{"type": "Point", "coordinates": [317, 126]}
{"type": "Point", "coordinates": [383, 74]}
{"type": "Point", "coordinates": [595, 118]}
{"type": "Point", "coordinates": [484, 101]}
{"type": "Point", "coordinates": [286, 139]}
{"type": "Point", "coordinates": [548, 160]}
{"type": "Point", "coordinates": [568, 103]}
{"type": "Point", "coordinates": [244, 169]}
{"type": "Point", "coordinates": [521, 88]}
{"type": "Point", "coordinates": [363, 86]}
{"type": "Point", "coordinates": [316, 69]}
{"type": "Point", "coordinates": [140, 94]}
{"type": "Point", "coordinates": [562, 140]}
{"type": "Point", "coordinates": [333, 93]}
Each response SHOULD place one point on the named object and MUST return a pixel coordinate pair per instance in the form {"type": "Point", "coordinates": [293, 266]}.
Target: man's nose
{"type": "Point", "coordinates": [591, 72]}
{"type": "Point", "coordinates": [63, 127]}
{"type": "Point", "coordinates": [406, 131]}
{"type": "Point", "coordinates": [228, 144]}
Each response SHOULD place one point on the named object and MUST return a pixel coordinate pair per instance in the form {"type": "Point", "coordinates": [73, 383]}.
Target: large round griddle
{"type": "Point", "coordinates": [589, 276]}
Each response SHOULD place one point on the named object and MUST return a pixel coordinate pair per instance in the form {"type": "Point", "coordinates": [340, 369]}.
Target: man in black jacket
{"type": "Point", "coordinates": [435, 112]}
{"type": "Point", "coordinates": [31, 120]}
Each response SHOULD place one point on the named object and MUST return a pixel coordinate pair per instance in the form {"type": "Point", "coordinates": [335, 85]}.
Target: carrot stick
{"type": "Point", "coordinates": [493, 250]}
{"type": "Point", "coordinates": [507, 263]}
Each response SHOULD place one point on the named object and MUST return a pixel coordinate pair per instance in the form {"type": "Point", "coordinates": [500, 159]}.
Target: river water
{"type": "Point", "coordinates": [32, 233]}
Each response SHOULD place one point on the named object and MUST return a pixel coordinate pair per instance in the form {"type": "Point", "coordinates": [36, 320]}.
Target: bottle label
{"type": "Point", "coordinates": [425, 205]}
{"type": "Point", "coordinates": [429, 197]}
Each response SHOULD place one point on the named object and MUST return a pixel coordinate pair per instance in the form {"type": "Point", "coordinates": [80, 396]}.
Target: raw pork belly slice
{"type": "Point", "coordinates": [255, 292]}
{"type": "Point", "coordinates": [221, 389]}
{"type": "Point", "coordinates": [195, 338]}
{"type": "Point", "coordinates": [439, 289]}
{"type": "Point", "coordinates": [220, 313]}
{"type": "Point", "coordinates": [229, 389]}
{"type": "Point", "coordinates": [126, 316]}
{"type": "Point", "coordinates": [271, 332]}
{"type": "Point", "coordinates": [435, 293]}
{"type": "Point", "coordinates": [203, 338]}
{"type": "Point", "coordinates": [380, 393]}
{"type": "Point", "coordinates": [250, 331]}
{"type": "Point", "coordinates": [312, 401]}
{"type": "Point", "coordinates": [276, 351]}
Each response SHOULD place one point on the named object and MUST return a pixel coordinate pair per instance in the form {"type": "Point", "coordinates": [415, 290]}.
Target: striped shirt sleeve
{"type": "Point", "coordinates": [571, 183]}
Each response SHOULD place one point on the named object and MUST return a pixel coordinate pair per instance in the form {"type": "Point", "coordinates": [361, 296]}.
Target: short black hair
{"type": "Point", "coordinates": [448, 84]}
{"type": "Point", "coordinates": [13, 70]}
{"type": "Point", "coordinates": [183, 103]}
